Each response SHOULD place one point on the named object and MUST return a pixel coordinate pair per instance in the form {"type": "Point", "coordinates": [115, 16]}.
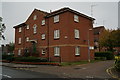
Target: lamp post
{"type": "Point", "coordinates": [89, 45]}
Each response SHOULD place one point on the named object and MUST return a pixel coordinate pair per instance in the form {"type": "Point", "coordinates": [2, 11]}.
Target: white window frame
{"type": "Point", "coordinates": [57, 51]}
{"type": "Point", "coordinates": [56, 34]}
{"type": "Point", "coordinates": [34, 17]}
{"type": "Point", "coordinates": [27, 39]}
{"type": "Point", "coordinates": [77, 34]}
{"type": "Point", "coordinates": [19, 52]}
{"type": "Point", "coordinates": [77, 50]}
{"type": "Point", "coordinates": [34, 29]}
{"type": "Point", "coordinates": [43, 36]}
{"type": "Point", "coordinates": [43, 22]}
{"type": "Point", "coordinates": [76, 18]}
{"type": "Point", "coordinates": [19, 40]}
{"type": "Point", "coordinates": [43, 51]}
{"type": "Point", "coordinates": [27, 27]}
{"type": "Point", "coordinates": [56, 18]}
{"type": "Point", "coordinates": [20, 29]}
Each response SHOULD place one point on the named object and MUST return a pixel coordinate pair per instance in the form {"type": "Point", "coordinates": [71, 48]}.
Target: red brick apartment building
{"type": "Point", "coordinates": [63, 35]}
{"type": "Point", "coordinates": [97, 32]}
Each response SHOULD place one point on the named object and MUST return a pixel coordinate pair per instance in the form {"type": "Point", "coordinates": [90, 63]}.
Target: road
{"type": "Point", "coordinates": [90, 70]}
{"type": "Point", "coordinates": [15, 73]}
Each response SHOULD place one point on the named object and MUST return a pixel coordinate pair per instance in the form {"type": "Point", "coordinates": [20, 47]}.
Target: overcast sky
{"type": "Point", "coordinates": [13, 13]}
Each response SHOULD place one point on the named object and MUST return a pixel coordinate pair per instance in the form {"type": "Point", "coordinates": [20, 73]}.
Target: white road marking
{"type": "Point", "coordinates": [6, 76]}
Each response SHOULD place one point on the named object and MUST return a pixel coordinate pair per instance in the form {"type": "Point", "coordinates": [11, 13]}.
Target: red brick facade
{"type": "Point", "coordinates": [66, 41]}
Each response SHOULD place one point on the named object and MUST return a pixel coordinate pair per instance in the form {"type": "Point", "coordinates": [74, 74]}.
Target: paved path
{"type": "Point", "coordinates": [91, 70]}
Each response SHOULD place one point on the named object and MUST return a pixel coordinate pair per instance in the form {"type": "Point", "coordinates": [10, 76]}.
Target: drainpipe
{"type": "Point", "coordinates": [48, 38]}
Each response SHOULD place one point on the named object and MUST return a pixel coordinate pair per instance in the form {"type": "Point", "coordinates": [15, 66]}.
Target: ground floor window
{"type": "Point", "coordinates": [77, 50]}
{"type": "Point", "coordinates": [56, 51]}
{"type": "Point", "coordinates": [43, 51]}
{"type": "Point", "coordinates": [19, 52]}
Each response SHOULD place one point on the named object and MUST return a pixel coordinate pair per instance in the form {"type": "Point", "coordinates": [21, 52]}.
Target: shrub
{"type": "Point", "coordinates": [117, 65]}
{"type": "Point", "coordinates": [8, 57]}
{"type": "Point", "coordinates": [108, 55]}
{"type": "Point", "coordinates": [30, 59]}
{"type": "Point", "coordinates": [100, 58]}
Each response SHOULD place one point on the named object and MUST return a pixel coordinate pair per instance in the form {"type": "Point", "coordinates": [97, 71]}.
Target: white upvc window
{"type": "Point", "coordinates": [43, 51]}
{"type": "Point", "coordinates": [19, 52]}
{"type": "Point", "coordinates": [77, 33]}
{"type": "Point", "coordinates": [19, 41]}
{"type": "Point", "coordinates": [27, 27]}
{"type": "Point", "coordinates": [56, 51]}
{"type": "Point", "coordinates": [35, 17]}
{"type": "Point", "coordinates": [27, 39]}
{"type": "Point", "coordinates": [43, 36]}
{"type": "Point", "coordinates": [91, 47]}
{"type": "Point", "coordinates": [43, 22]}
{"type": "Point", "coordinates": [20, 29]}
{"type": "Point", "coordinates": [56, 18]}
{"type": "Point", "coordinates": [76, 18]}
{"type": "Point", "coordinates": [56, 34]}
{"type": "Point", "coordinates": [35, 29]}
{"type": "Point", "coordinates": [77, 50]}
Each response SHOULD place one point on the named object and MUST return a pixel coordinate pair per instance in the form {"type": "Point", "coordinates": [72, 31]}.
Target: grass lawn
{"type": "Point", "coordinates": [78, 63]}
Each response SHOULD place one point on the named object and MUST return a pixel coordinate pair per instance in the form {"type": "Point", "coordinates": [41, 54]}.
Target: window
{"type": "Point", "coordinates": [19, 41]}
{"type": "Point", "coordinates": [43, 36]}
{"type": "Point", "coordinates": [56, 51]}
{"type": "Point", "coordinates": [77, 36]}
{"type": "Point", "coordinates": [43, 51]}
{"type": "Point", "coordinates": [27, 39]}
{"type": "Point", "coordinates": [19, 52]}
{"type": "Point", "coordinates": [76, 18]}
{"type": "Point", "coordinates": [43, 22]}
{"type": "Point", "coordinates": [20, 29]}
{"type": "Point", "coordinates": [77, 50]}
{"type": "Point", "coordinates": [56, 18]}
{"type": "Point", "coordinates": [27, 27]}
{"type": "Point", "coordinates": [56, 34]}
{"type": "Point", "coordinates": [35, 29]}
{"type": "Point", "coordinates": [35, 17]}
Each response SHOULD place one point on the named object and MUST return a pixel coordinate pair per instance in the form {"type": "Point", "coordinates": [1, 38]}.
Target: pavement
{"type": "Point", "coordinates": [90, 70]}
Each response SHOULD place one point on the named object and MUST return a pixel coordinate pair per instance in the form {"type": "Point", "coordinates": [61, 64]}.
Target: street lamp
{"type": "Point", "coordinates": [89, 45]}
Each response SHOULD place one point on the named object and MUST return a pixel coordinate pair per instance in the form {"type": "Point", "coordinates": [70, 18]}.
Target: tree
{"type": "Point", "coordinates": [11, 47]}
{"type": "Point", "coordinates": [110, 39]}
{"type": "Point", "coordinates": [2, 29]}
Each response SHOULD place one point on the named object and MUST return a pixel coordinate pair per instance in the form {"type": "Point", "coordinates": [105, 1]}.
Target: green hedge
{"type": "Point", "coordinates": [8, 57]}
{"type": "Point", "coordinates": [100, 58]}
{"type": "Point", "coordinates": [108, 55]}
{"type": "Point", "coordinates": [117, 65]}
{"type": "Point", "coordinates": [30, 59]}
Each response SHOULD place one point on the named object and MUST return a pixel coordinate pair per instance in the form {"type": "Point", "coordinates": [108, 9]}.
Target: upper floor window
{"type": "Point", "coordinates": [20, 29]}
{"type": "Point", "coordinates": [35, 29]}
{"type": "Point", "coordinates": [56, 51]}
{"type": "Point", "coordinates": [77, 50]}
{"type": "Point", "coordinates": [43, 36]}
{"type": "Point", "coordinates": [77, 34]}
{"type": "Point", "coordinates": [27, 39]}
{"type": "Point", "coordinates": [19, 41]}
{"type": "Point", "coordinates": [76, 18]}
{"type": "Point", "coordinates": [35, 17]}
{"type": "Point", "coordinates": [27, 27]}
{"type": "Point", "coordinates": [56, 18]}
{"type": "Point", "coordinates": [56, 34]}
{"type": "Point", "coordinates": [43, 22]}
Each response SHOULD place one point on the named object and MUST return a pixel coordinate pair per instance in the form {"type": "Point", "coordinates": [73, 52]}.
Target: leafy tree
{"type": "Point", "coordinates": [11, 47]}
{"type": "Point", "coordinates": [110, 39]}
{"type": "Point", "coordinates": [2, 29]}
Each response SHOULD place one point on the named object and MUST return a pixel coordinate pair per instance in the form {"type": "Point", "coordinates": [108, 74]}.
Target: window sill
{"type": "Point", "coordinates": [56, 38]}
{"type": "Point", "coordinates": [77, 55]}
